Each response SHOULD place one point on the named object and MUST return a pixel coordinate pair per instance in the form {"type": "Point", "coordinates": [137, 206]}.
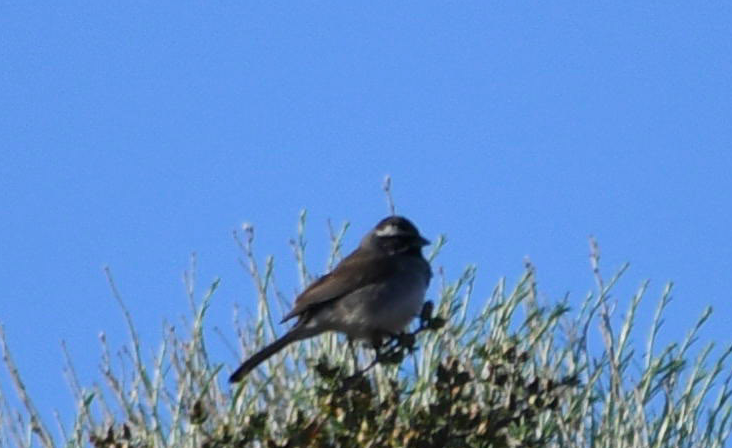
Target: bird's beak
{"type": "Point", "coordinates": [424, 241]}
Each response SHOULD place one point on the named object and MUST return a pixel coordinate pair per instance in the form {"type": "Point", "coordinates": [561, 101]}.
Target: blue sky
{"type": "Point", "coordinates": [134, 135]}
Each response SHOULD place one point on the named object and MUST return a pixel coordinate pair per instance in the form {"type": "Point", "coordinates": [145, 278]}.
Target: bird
{"type": "Point", "coordinates": [373, 293]}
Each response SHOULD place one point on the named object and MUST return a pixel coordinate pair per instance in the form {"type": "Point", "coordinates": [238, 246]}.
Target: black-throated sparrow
{"type": "Point", "coordinates": [374, 292]}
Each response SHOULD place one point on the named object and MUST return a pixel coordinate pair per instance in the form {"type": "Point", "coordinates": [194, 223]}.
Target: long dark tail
{"type": "Point", "coordinates": [262, 355]}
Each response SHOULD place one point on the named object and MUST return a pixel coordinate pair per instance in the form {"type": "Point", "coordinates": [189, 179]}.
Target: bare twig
{"type": "Point", "coordinates": [36, 423]}
{"type": "Point", "coordinates": [386, 186]}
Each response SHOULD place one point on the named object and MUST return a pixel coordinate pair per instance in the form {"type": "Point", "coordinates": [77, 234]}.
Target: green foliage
{"type": "Point", "coordinates": [511, 372]}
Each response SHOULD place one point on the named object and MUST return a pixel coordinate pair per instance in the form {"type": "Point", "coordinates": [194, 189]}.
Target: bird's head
{"type": "Point", "coordinates": [394, 234]}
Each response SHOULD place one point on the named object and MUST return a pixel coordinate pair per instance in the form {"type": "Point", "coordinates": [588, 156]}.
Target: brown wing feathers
{"type": "Point", "coordinates": [351, 274]}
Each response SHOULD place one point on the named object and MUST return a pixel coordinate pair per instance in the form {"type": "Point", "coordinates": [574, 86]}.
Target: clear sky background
{"type": "Point", "coordinates": [132, 135]}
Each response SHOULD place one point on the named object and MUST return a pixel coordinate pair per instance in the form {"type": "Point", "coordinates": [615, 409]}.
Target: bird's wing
{"type": "Point", "coordinates": [351, 274]}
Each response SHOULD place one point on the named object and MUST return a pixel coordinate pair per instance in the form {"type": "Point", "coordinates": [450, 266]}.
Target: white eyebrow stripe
{"type": "Point", "coordinates": [390, 230]}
